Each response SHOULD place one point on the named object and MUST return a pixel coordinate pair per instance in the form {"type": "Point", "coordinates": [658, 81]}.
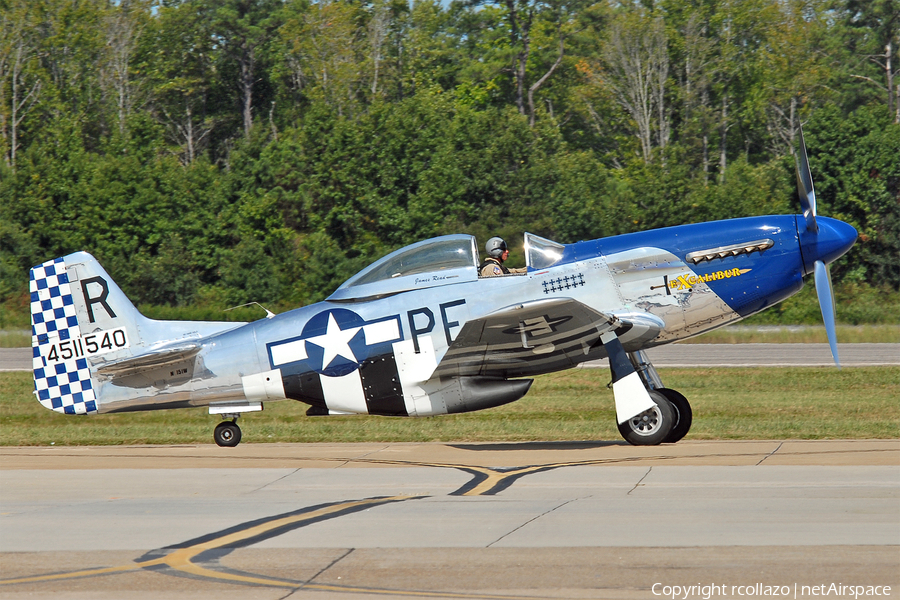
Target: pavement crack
{"type": "Point", "coordinates": [532, 520]}
{"type": "Point", "coordinates": [329, 565]}
{"type": "Point", "coordinates": [770, 454]}
{"type": "Point", "coordinates": [636, 485]}
{"type": "Point", "coordinates": [362, 457]}
{"type": "Point", "coordinates": [273, 482]}
{"type": "Point", "coordinates": [314, 577]}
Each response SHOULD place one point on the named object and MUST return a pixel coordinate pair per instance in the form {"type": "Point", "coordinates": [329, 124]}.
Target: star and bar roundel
{"type": "Point", "coordinates": [336, 342]}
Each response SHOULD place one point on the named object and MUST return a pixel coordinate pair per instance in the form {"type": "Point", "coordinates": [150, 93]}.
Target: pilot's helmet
{"type": "Point", "coordinates": [495, 247]}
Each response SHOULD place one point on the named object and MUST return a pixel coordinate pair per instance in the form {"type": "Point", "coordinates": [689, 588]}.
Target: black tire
{"type": "Point", "coordinates": [227, 434]}
{"type": "Point", "coordinates": [684, 416]}
{"type": "Point", "coordinates": [651, 427]}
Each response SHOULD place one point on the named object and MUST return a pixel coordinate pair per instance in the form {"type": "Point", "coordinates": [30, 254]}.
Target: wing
{"type": "Point", "coordinates": [539, 337]}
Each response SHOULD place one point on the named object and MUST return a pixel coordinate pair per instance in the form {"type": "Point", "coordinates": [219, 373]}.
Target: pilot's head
{"type": "Point", "coordinates": [496, 248]}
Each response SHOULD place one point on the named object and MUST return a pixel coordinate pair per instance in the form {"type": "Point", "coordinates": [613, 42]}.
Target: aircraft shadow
{"type": "Point", "coordinates": [561, 445]}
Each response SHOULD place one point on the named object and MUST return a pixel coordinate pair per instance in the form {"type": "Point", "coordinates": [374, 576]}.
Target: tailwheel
{"type": "Point", "coordinates": [653, 426]}
{"type": "Point", "coordinates": [684, 416]}
{"type": "Point", "coordinates": [227, 434]}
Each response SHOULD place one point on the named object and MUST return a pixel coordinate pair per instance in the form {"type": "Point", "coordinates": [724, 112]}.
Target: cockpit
{"type": "Point", "coordinates": [438, 261]}
{"type": "Point", "coordinates": [435, 262]}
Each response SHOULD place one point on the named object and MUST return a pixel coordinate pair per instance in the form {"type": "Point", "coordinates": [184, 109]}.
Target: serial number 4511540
{"type": "Point", "coordinates": [93, 344]}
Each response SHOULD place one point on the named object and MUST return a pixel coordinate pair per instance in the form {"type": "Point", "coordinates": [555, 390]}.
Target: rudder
{"type": "Point", "coordinates": [77, 312]}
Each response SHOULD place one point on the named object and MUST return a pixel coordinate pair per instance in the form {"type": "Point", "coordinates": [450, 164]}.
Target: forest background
{"type": "Point", "coordinates": [215, 152]}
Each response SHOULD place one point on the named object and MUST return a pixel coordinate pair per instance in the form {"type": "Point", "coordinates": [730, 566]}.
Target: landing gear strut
{"type": "Point", "coordinates": [227, 433]}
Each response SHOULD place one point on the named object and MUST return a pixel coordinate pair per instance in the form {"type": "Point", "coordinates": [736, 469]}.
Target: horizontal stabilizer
{"type": "Point", "coordinates": [154, 359]}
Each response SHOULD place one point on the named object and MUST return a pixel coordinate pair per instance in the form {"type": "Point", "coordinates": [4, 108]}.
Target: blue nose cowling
{"type": "Point", "coordinates": [832, 241]}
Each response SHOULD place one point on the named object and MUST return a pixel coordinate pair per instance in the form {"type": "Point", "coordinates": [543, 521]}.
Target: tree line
{"type": "Point", "coordinates": [216, 152]}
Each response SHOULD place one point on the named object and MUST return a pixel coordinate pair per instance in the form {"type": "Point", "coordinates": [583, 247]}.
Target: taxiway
{"type": "Point", "coordinates": [529, 520]}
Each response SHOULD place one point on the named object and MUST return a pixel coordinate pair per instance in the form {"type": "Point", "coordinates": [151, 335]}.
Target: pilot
{"type": "Point", "coordinates": [497, 254]}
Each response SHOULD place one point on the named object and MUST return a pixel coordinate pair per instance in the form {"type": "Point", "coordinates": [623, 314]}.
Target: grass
{"type": "Point", "coordinates": [785, 403]}
{"type": "Point", "coordinates": [798, 334]}
{"type": "Point", "coordinates": [15, 338]}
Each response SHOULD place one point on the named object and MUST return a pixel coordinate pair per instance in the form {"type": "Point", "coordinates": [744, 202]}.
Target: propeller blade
{"type": "Point", "coordinates": [825, 291]}
{"type": "Point", "coordinates": [805, 187]}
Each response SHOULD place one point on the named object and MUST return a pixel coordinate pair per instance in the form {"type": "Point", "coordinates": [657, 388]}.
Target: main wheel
{"type": "Point", "coordinates": [652, 426]}
{"type": "Point", "coordinates": [684, 416]}
{"type": "Point", "coordinates": [227, 434]}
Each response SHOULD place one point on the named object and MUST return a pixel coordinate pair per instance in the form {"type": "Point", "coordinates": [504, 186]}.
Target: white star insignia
{"type": "Point", "coordinates": [335, 342]}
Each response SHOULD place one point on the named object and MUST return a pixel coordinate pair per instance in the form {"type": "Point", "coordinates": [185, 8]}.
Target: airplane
{"type": "Point", "coordinates": [420, 333]}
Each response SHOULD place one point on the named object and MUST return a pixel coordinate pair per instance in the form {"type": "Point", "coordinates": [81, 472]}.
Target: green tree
{"type": "Point", "coordinates": [320, 51]}
{"type": "Point", "coordinates": [178, 57]}
{"type": "Point", "coordinates": [857, 176]}
{"type": "Point", "coordinates": [244, 28]}
{"type": "Point", "coordinates": [215, 153]}
{"type": "Point", "coordinates": [20, 78]}
{"type": "Point", "coordinates": [870, 47]}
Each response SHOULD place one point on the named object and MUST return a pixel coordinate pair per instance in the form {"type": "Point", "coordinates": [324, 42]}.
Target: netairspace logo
{"type": "Point", "coordinates": [712, 590]}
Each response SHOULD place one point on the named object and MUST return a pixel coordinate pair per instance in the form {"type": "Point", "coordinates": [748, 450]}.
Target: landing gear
{"type": "Point", "coordinates": [227, 434]}
{"type": "Point", "coordinates": [668, 421]}
{"type": "Point", "coordinates": [684, 416]}
{"type": "Point", "coordinates": [653, 426]}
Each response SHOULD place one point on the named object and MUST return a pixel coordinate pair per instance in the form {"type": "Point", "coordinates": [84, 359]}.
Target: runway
{"type": "Point", "coordinates": [430, 520]}
{"type": "Point", "coordinates": [769, 355]}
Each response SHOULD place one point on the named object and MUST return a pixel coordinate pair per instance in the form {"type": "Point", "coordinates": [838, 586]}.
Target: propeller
{"type": "Point", "coordinates": [821, 271]}
{"type": "Point", "coordinates": [805, 187]}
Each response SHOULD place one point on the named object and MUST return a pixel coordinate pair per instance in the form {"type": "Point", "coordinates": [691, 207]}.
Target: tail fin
{"type": "Point", "coordinates": [79, 319]}
{"type": "Point", "coordinates": [62, 378]}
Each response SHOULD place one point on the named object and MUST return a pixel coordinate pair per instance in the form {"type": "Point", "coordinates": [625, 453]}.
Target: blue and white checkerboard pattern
{"type": "Point", "coordinates": [64, 386]}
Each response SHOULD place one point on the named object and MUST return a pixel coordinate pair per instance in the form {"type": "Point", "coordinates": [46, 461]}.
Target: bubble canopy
{"type": "Point", "coordinates": [435, 262]}
{"type": "Point", "coordinates": [438, 261]}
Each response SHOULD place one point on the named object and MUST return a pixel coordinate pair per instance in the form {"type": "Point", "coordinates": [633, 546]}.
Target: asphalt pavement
{"type": "Point", "coordinates": [429, 520]}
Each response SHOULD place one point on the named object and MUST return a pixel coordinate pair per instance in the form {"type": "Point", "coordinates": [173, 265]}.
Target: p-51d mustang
{"type": "Point", "coordinates": [419, 333]}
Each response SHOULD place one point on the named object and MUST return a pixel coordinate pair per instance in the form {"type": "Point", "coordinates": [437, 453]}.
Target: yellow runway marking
{"type": "Point", "coordinates": [182, 558]}
{"type": "Point", "coordinates": [77, 574]}
{"type": "Point", "coordinates": [498, 480]}
{"type": "Point", "coordinates": [492, 480]}
{"type": "Point", "coordinates": [485, 481]}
